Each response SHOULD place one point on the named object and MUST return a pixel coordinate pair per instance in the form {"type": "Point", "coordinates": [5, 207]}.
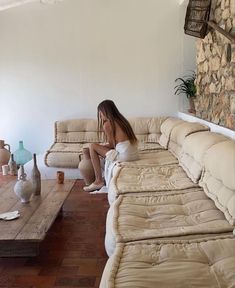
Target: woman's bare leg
{"type": "Point", "coordinates": [97, 150]}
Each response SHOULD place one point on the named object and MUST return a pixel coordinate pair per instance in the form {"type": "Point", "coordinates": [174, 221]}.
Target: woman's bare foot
{"type": "Point", "coordinates": [94, 186]}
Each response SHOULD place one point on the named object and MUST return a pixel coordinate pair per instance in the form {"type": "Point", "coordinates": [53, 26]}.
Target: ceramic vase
{"type": "Point", "coordinates": [5, 154]}
{"type": "Point", "coordinates": [23, 188]}
{"type": "Point", "coordinates": [12, 166]}
{"type": "Point", "coordinates": [36, 177]}
{"type": "Point", "coordinates": [86, 168]}
{"type": "Point", "coordinates": [20, 171]}
{"type": "Point", "coordinates": [22, 155]}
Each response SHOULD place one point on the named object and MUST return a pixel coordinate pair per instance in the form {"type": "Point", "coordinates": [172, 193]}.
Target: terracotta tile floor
{"type": "Point", "coordinates": [72, 255]}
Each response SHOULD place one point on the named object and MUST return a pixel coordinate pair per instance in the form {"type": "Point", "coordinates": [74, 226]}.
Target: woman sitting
{"type": "Point", "coordinates": [121, 143]}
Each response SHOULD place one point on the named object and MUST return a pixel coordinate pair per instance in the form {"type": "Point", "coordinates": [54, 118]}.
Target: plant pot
{"type": "Point", "coordinates": [191, 109]}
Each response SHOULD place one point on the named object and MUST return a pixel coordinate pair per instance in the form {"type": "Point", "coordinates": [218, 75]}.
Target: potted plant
{"type": "Point", "coordinates": [187, 86]}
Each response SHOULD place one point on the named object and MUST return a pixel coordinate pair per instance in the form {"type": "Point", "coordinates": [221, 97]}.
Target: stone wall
{"type": "Point", "coordinates": [215, 81]}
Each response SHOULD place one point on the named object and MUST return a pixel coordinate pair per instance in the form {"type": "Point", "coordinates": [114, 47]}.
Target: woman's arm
{"type": "Point", "coordinates": [109, 134]}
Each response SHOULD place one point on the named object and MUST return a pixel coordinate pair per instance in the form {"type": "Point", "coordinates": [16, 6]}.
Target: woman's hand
{"type": "Point", "coordinates": [108, 145]}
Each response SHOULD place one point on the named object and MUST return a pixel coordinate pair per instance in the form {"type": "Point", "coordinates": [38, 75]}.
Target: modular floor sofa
{"type": "Point", "coordinates": [172, 212]}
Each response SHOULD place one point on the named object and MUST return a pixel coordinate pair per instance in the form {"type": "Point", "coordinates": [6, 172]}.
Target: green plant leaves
{"type": "Point", "coordinates": [186, 86]}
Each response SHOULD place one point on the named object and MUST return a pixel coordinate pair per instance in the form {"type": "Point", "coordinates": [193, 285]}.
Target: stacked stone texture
{"type": "Point", "coordinates": [215, 81]}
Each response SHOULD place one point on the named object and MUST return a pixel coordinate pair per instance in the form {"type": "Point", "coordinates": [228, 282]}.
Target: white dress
{"type": "Point", "coordinates": [124, 151]}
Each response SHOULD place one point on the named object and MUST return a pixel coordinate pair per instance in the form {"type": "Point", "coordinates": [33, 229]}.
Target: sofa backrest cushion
{"type": "Point", "coordinates": [76, 131]}
{"type": "Point", "coordinates": [218, 177]}
{"type": "Point", "coordinates": [194, 149]}
{"type": "Point", "coordinates": [166, 129]}
{"type": "Point", "coordinates": [147, 129]}
{"type": "Point", "coordinates": [180, 132]}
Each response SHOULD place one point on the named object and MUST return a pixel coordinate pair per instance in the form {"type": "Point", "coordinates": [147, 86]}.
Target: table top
{"type": "Point", "coordinates": [37, 216]}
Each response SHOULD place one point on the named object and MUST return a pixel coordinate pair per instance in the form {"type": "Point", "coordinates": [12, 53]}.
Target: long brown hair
{"type": "Point", "coordinates": [110, 110]}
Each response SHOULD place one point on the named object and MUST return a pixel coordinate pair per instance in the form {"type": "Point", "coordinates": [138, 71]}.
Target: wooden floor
{"type": "Point", "coordinates": [72, 255]}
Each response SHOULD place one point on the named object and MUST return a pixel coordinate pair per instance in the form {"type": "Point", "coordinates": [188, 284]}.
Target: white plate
{"type": "Point", "coordinates": [10, 215]}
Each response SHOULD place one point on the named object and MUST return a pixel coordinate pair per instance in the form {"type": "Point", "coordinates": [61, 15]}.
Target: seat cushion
{"type": "Point", "coordinates": [134, 218]}
{"type": "Point", "coordinates": [64, 155]}
{"type": "Point", "coordinates": [67, 154]}
{"type": "Point", "coordinates": [146, 158]}
{"type": "Point", "coordinates": [149, 146]}
{"type": "Point", "coordinates": [204, 263]}
{"type": "Point", "coordinates": [149, 178]}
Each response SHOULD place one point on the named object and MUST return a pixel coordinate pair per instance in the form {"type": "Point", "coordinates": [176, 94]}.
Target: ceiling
{"type": "Point", "coordinates": [6, 4]}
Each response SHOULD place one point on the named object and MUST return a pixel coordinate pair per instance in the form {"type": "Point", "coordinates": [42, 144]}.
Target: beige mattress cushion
{"type": "Point", "coordinates": [67, 154]}
{"type": "Point", "coordinates": [146, 158]}
{"type": "Point", "coordinates": [149, 146]}
{"type": "Point", "coordinates": [150, 178]}
{"type": "Point", "coordinates": [204, 263]}
{"type": "Point", "coordinates": [218, 178]}
{"type": "Point", "coordinates": [180, 132]}
{"type": "Point", "coordinates": [139, 218]}
{"type": "Point", "coordinates": [194, 149]}
{"type": "Point", "coordinates": [64, 155]}
{"type": "Point", "coordinates": [166, 129]}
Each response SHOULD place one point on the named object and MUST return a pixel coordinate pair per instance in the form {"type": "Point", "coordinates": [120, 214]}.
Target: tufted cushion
{"type": "Point", "coordinates": [64, 155]}
{"type": "Point", "coordinates": [147, 129]}
{"type": "Point", "coordinates": [193, 150]}
{"type": "Point", "coordinates": [76, 130]}
{"type": "Point", "coordinates": [71, 135]}
{"type": "Point", "coordinates": [218, 179]}
{"type": "Point", "coordinates": [85, 130]}
{"type": "Point", "coordinates": [204, 263]}
{"type": "Point", "coordinates": [149, 146]}
{"type": "Point", "coordinates": [129, 179]}
{"type": "Point", "coordinates": [180, 132]}
{"type": "Point", "coordinates": [145, 217]}
{"type": "Point", "coordinates": [155, 157]}
{"type": "Point", "coordinates": [166, 129]}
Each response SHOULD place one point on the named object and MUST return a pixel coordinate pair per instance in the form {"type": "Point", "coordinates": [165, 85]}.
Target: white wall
{"type": "Point", "coordinates": [188, 54]}
{"type": "Point", "coordinates": [59, 61]}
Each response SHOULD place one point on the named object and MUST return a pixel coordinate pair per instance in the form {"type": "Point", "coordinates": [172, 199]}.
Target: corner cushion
{"type": "Point", "coordinates": [166, 129]}
{"type": "Point", "coordinates": [194, 149]}
{"type": "Point", "coordinates": [218, 179]}
{"type": "Point", "coordinates": [180, 132]}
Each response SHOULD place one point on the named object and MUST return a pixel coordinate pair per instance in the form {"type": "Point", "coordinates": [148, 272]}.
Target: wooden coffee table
{"type": "Point", "coordinates": [22, 236]}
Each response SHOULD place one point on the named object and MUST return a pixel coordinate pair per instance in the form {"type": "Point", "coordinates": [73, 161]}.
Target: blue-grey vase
{"type": "Point", "coordinates": [22, 155]}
